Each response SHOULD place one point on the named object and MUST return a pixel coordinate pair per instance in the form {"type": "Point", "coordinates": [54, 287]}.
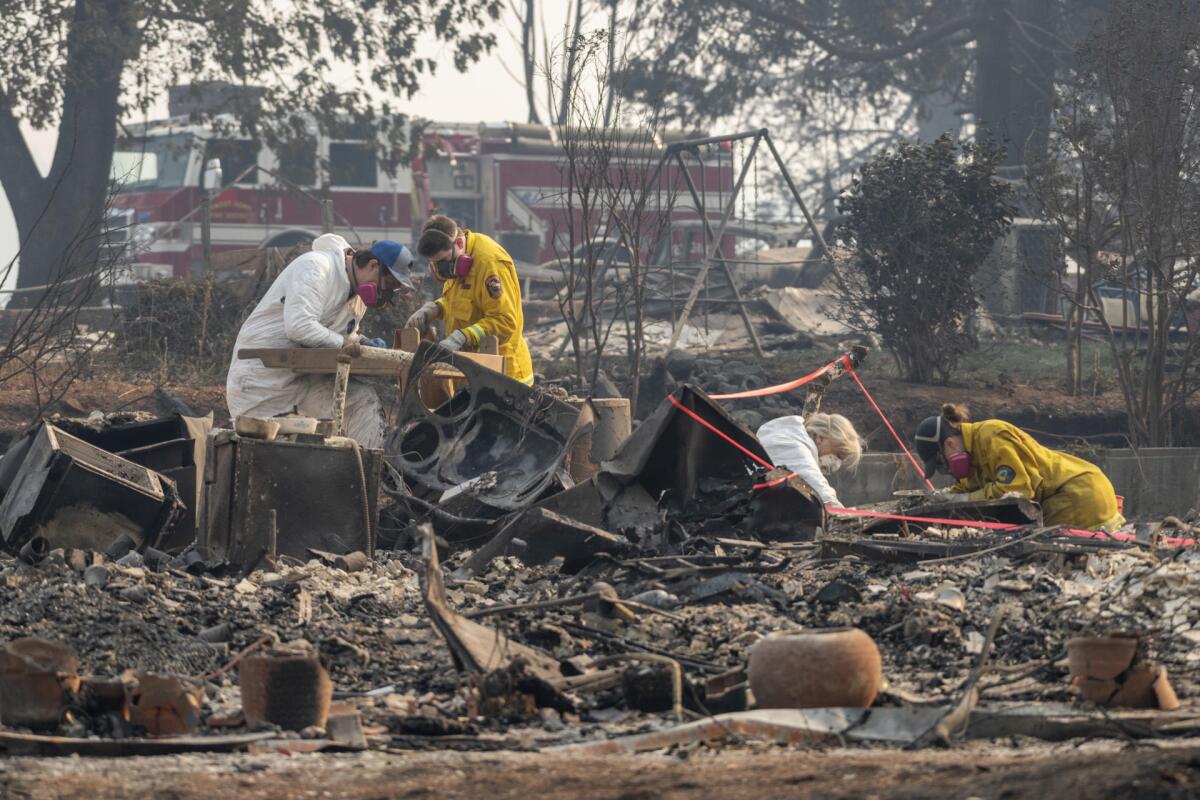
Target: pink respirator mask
{"type": "Point", "coordinates": [373, 296]}
{"type": "Point", "coordinates": [959, 465]}
{"type": "Point", "coordinates": [450, 268]}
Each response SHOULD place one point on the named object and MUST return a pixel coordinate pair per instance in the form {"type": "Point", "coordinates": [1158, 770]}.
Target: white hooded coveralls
{"type": "Point", "coordinates": [309, 305]}
{"type": "Point", "coordinates": [788, 444]}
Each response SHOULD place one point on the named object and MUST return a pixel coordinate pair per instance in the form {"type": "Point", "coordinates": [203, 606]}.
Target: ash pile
{"type": "Point", "coordinates": [516, 571]}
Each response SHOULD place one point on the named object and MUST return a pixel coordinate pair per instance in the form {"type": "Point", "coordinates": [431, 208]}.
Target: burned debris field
{"type": "Point", "coordinates": [600, 399]}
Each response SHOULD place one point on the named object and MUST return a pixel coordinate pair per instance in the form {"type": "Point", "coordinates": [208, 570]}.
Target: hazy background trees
{"type": "Point", "coordinates": [83, 65]}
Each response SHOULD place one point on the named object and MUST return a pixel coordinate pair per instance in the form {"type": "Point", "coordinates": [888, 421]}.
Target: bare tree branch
{"type": "Point", "coordinates": [935, 36]}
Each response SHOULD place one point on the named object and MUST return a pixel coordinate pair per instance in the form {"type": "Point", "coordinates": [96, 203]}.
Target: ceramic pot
{"type": "Point", "coordinates": [289, 689]}
{"type": "Point", "coordinates": [256, 428]}
{"type": "Point", "coordinates": [818, 668]}
{"type": "Point", "coordinates": [1100, 658]}
{"type": "Point", "coordinates": [165, 705]}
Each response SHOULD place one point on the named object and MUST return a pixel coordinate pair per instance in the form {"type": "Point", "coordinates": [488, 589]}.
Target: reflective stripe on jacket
{"type": "Point", "coordinates": [487, 302]}
{"type": "Point", "coordinates": [1006, 459]}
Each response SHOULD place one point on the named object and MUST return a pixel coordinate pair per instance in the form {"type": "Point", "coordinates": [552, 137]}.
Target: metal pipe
{"type": "Point", "coordinates": [812, 223]}
{"type": "Point", "coordinates": [688, 144]}
{"type": "Point", "coordinates": [34, 550]}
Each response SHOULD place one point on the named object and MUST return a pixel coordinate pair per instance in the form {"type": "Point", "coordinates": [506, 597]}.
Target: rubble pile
{"type": "Point", "coordinates": [484, 591]}
{"type": "Point", "coordinates": [703, 610]}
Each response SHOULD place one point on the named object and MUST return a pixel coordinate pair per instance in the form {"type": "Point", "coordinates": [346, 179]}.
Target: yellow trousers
{"type": "Point", "coordinates": [1087, 501]}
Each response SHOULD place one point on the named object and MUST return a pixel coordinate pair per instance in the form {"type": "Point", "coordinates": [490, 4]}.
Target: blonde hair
{"type": "Point", "coordinates": [956, 415]}
{"type": "Point", "coordinates": [847, 444]}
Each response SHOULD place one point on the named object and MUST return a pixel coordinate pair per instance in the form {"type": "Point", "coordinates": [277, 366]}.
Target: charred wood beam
{"type": "Point", "coordinates": [816, 389]}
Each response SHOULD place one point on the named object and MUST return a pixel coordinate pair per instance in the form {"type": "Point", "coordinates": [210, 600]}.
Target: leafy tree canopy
{"type": "Point", "coordinates": [86, 64]}
{"type": "Point", "coordinates": [921, 219]}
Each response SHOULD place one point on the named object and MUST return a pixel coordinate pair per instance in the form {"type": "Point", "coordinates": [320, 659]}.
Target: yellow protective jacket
{"type": "Point", "coordinates": [488, 302]}
{"type": "Point", "coordinates": [1004, 459]}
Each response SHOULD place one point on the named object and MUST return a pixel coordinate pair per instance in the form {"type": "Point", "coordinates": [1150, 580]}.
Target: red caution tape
{"type": "Point", "coordinates": [778, 388]}
{"type": "Point", "coordinates": [707, 424]}
{"type": "Point", "coordinates": [920, 470]}
{"type": "Point", "coordinates": [769, 484]}
{"type": "Point", "coordinates": [1170, 541]}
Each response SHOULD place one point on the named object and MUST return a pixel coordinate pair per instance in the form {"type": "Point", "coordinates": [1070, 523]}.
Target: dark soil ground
{"type": "Point", "coordinates": [1019, 381]}
{"type": "Point", "coordinates": [1108, 771]}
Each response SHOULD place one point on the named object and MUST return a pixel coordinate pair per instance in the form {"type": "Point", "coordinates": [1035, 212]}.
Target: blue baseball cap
{"type": "Point", "coordinates": [396, 257]}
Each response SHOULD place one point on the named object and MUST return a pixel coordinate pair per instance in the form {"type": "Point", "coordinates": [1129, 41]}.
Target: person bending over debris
{"type": "Point", "coordinates": [824, 443]}
{"type": "Point", "coordinates": [480, 293]}
{"type": "Point", "coordinates": [318, 301]}
{"type": "Point", "coordinates": [992, 458]}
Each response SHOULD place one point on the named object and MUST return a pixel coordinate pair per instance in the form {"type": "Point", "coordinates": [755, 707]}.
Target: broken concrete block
{"type": "Point", "coordinates": [344, 726]}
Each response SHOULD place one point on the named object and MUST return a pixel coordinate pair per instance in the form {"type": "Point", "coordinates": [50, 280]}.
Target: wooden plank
{"type": "Point", "coordinates": [407, 339]}
{"type": "Point", "coordinates": [323, 360]}
{"type": "Point", "coordinates": [34, 745]}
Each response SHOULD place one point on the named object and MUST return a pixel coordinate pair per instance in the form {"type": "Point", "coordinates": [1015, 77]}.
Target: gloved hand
{"type": "Point", "coordinates": [454, 342]}
{"type": "Point", "coordinates": [423, 316]}
{"type": "Point", "coordinates": [352, 346]}
{"type": "Point", "coordinates": [947, 496]}
{"type": "Point", "coordinates": [375, 343]}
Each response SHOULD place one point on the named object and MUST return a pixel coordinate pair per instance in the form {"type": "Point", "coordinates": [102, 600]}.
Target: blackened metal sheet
{"type": "Point", "coordinates": [547, 536]}
{"type": "Point", "coordinates": [509, 436]}
{"type": "Point", "coordinates": [316, 492]}
{"type": "Point", "coordinates": [1011, 511]}
{"type": "Point", "coordinates": [671, 452]}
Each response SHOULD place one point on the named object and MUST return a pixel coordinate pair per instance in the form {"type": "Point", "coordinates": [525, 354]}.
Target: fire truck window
{"type": "Point", "coordinates": [351, 164]}
{"type": "Point", "coordinates": [298, 162]}
{"type": "Point", "coordinates": [154, 162]}
{"type": "Point", "coordinates": [236, 156]}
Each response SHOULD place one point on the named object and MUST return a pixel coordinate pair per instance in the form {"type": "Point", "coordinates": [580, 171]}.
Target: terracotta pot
{"type": "Point", "coordinates": [1146, 686]}
{"type": "Point", "coordinates": [286, 688]}
{"type": "Point", "coordinates": [35, 677]}
{"type": "Point", "coordinates": [165, 705]}
{"type": "Point", "coordinates": [1096, 690]}
{"type": "Point", "coordinates": [818, 668]}
{"type": "Point", "coordinates": [1100, 657]}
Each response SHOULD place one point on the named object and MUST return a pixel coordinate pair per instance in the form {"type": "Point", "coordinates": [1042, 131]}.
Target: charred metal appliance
{"type": "Point", "coordinates": [264, 499]}
{"type": "Point", "coordinates": [496, 438]}
{"type": "Point", "coordinates": [74, 494]}
{"type": "Point", "coordinates": [172, 446]}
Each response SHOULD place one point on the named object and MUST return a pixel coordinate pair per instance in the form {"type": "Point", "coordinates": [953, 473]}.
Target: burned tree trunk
{"type": "Point", "coordinates": [71, 197]}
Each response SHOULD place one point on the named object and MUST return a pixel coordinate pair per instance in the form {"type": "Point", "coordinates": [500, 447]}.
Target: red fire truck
{"type": "Point", "coordinates": [504, 180]}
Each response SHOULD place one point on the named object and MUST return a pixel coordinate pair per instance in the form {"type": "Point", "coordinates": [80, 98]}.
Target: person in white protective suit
{"type": "Point", "coordinates": [823, 444]}
{"type": "Point", "coordinates": [318, 301]}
